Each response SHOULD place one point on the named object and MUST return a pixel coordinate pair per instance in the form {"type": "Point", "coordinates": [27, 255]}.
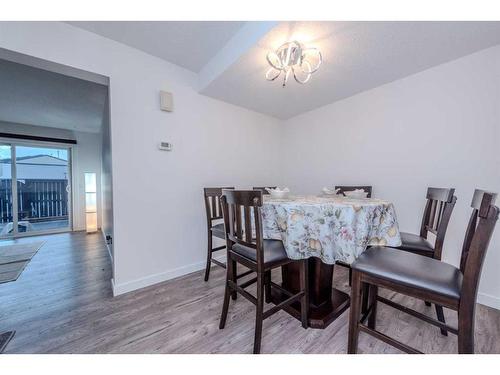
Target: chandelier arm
{"type": "Point", "coordinates": [280, 67]}
{"type": "Point", "coordinates": [308, 77]}
{"type": "Point", "coordinates": [287, 74]}
{"type": "Point", "coordinates": [320, 59]}
{"type": "Point", "coordinates": [275, 76]}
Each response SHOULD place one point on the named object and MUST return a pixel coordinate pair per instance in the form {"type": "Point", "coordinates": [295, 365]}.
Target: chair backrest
{"type": "Point", "coordinates": [477, 237]}
{"type": "Point", "coordinates": [263, 189]}
{"type": "Point", "coordinates": [212, 203]}
{"type": "Point", "coordinates": [343, 189]}
{"type": "Point", "coordinates": [243, 220]}
{"type": "Point", "coordinates": [437, 214]}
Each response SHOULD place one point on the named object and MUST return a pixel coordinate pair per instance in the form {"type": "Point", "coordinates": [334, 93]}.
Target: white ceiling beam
{"type": "Point", "coordinates": [239, 44]}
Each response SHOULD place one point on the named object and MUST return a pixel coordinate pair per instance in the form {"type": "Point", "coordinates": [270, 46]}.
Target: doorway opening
{"type": "Point", "coordinates": [35, 189]}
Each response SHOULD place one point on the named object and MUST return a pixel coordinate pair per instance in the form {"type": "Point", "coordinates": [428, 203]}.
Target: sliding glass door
{"type": "Point", "coordinates": [6, 205]}
{"type": "Point", "coordinates": [35, 189]}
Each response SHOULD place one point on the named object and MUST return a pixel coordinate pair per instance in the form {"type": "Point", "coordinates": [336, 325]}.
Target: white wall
{"type": "Point", "coordinates": [86, 158]}
{"type": "Point", "coordinates": [436, 128]}
{"type": "Point", "coordinates": [159, 220]}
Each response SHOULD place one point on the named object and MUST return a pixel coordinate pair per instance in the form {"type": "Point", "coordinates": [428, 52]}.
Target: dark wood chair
{"type": "Point", "coordinates": [246, 246]}
{"type": "Point", "coordinates": [214, 213]}
{"type": "Point", "coordinates": [437, 214]}
{"type": "Point", "coordinates": [263, 189]}
{"type": "Point", "coordinates": [425, 278]}
{"type": "Point", "coordinates": [343, 189]}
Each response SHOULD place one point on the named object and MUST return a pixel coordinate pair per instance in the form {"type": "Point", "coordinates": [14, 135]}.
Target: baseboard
{"type": "Point", "coordinates": [143, 282]}
{"type": "Point", "coordinates": [488, 300]}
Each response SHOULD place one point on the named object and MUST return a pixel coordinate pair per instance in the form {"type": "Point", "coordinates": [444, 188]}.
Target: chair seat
{"type": "Point", "coordinates": [218, 231]}
{"type": "Point", "coordinates": [274, 251]}
{"type": "Point", "coordinates": [414, 243]}
{"type": "Point", "coordinates": [411, 270]}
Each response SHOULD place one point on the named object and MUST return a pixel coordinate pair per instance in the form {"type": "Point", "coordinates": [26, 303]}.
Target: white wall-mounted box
{"type": "Point", "coordinates": [166, 101]}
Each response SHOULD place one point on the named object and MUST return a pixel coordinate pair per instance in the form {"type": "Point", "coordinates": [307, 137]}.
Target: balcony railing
{"type": "Point", "coordinates": [38, 200]}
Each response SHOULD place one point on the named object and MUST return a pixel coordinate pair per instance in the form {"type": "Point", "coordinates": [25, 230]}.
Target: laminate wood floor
{"type": "Point", "coordinates": [62, 303]}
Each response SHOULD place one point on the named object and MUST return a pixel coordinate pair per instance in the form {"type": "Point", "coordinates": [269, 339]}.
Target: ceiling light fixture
{"type": "Point", "coordinates": [293, 58]}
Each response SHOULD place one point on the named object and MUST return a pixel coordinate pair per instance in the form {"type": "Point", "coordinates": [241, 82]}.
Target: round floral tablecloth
{"type": "Point", "coordinates": [330, 228]}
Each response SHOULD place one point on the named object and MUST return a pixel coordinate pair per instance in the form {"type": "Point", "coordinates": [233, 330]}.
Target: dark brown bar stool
{"type": "Point", "coordinates": [343, 189]}
{"type": "Point", "coordinates": [214, 213]}
{"type": "Point", "coordinates": [437, 213]}
{"type": "Point", "coordinates": [246, 246]}
{"type": "Point", "coordinates": [425, 278]}
{"type": "Point", "coordinates": [263, 189]}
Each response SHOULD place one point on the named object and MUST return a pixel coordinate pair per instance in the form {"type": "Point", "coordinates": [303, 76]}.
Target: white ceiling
{"type": "Point", "coordinates": [187, 44]}
{"type": "Point", "coordinates": [357, 56]}
{"type": "Point", "coordinates": [38, 97]}
{"type": "Point", "coordinates": [230, 57]}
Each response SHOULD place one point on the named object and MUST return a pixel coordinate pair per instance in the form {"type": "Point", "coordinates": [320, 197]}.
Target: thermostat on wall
{"type": "Point", "coordinates": [165, 146]}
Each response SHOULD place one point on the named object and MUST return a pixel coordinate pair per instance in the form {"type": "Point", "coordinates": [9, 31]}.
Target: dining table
{"type": "Point", "coordinates": [325, 230]}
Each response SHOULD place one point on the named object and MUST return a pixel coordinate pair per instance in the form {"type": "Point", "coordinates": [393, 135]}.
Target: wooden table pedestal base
{"type": "Point", "coordinates": [325, 302]}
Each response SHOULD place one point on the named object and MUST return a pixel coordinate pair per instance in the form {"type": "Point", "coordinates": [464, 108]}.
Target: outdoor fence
{"type": "Point", "coordinates": [38, 200]}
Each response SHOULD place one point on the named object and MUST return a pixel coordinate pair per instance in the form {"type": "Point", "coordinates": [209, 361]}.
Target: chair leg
{"type": "Point", "coordinates": [440, 316]}
{"type": "Point", "coordinates": [225, 305]}
{"type": "Point", "coordinates": [304, 301]}
{"type": "Point", "coordinates": [259, 313]}
{"type": "Point", "coordinates": [350, 276]}
{"type": "Point", "coordinates": [267, 282]}
{"type": "Point", "coordinates": [209, 257]}
{"type": "Point", "coordinates": [352, 345]}
{"type": "Point", "coordinates": [365, 295]}
{"type": "Point", "coordinates": [372, 302]}
{"type": "Point", "coordinates": [234, 270]}
{"type": "Point", "coordinates": [465, 336]}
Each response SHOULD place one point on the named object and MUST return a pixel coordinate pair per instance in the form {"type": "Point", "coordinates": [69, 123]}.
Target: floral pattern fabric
{"type": "Point", "coordinates": [330, 228]}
